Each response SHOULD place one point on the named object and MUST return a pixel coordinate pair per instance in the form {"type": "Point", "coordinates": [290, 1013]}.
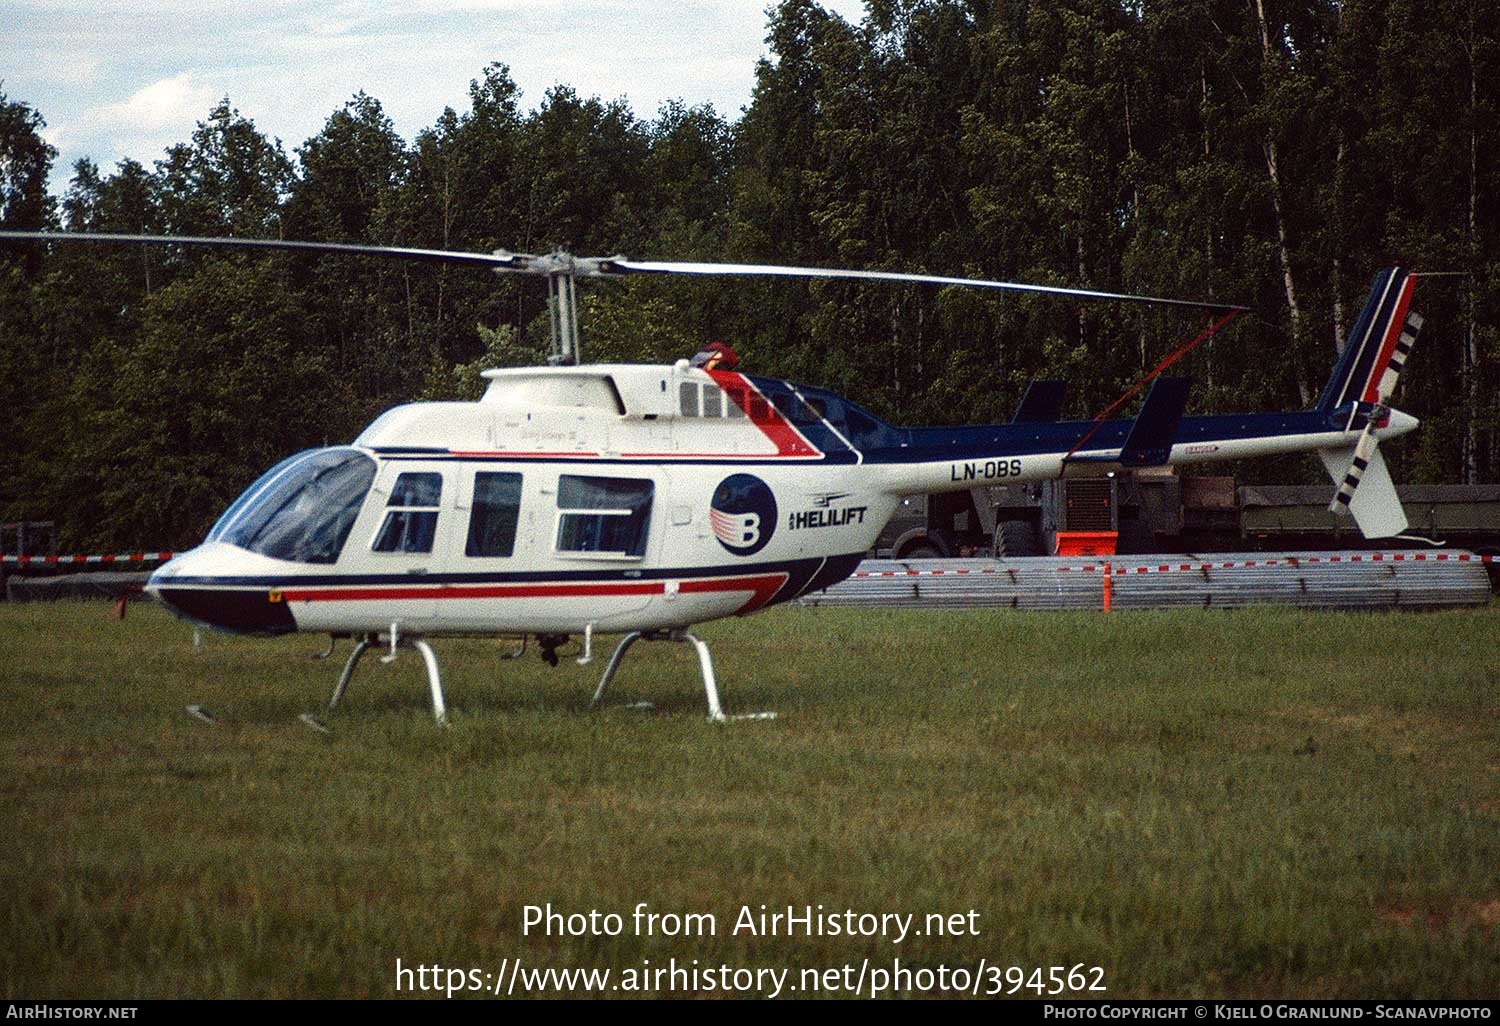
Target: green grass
{"type": "Point", "coordinates": [1264, 802]}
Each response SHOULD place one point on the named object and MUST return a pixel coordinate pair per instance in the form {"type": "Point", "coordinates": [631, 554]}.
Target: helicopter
{"type": "Point", "coordinates": [643, 500]}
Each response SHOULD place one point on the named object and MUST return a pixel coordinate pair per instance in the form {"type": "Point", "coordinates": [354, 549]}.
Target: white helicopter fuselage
{"type": "Point", "coordinates": [609, 498]}
{"type": "Point", "coordinates": [566, 498]}
{"type": "Point", "coordinates": [645, 499]}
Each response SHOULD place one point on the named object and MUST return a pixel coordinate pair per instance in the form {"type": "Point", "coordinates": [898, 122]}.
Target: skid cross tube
{"type": "Point", "coordinates": [429, 660]}
{"type": "Point", "coordinates": [705, 665]}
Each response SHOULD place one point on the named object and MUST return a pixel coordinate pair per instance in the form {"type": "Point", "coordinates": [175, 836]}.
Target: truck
{"type": "Point", "coordinates": [1156, 510]}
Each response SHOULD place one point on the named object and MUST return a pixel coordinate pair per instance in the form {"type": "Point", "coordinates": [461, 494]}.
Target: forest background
{"type": "Point", "coordinates": [1268, 152]}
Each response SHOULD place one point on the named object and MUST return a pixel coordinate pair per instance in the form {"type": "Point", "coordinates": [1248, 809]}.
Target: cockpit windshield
{"type": "Point", "coordinates": [302, 509]}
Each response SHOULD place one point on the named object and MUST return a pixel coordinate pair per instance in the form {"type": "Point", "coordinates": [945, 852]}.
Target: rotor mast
{"type": "Point", "coordinates": [562, 305]}
{"type": "Point", "coordinates": [562, 270]}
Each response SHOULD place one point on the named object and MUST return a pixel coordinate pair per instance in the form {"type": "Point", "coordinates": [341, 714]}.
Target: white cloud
{"type": "Point", "coordinates": [116, 80]}
{"type": "Point", "coordinates": [167, 104]}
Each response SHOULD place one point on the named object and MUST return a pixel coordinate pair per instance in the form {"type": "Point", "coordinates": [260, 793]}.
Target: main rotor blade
{"type": "Point", "coordinates": [498, 260]}
{"type": "Point", "coordinates": [594, 267]}
{"type": "Point", "coordinates": [618, 265]}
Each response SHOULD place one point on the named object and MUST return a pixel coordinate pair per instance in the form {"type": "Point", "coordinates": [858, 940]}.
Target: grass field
{"type": "Point", "coordinates": [1267, 802]}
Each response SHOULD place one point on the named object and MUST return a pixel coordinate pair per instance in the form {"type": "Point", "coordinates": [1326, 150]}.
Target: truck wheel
{"type": "Point", "coordinates": [1017, 538]}
{"type": "Point", "coordinates": [922, 550]}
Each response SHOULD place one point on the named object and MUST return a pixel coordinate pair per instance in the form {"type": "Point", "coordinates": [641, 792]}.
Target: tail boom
{"type": "Point", "coordinates": [945, 460]}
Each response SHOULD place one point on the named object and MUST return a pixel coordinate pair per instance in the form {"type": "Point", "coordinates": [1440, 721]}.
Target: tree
{"type": "Point", "coordinates": [162, 432]}
{"type": "Point", "coordinates": [461, 189]}
{"type": "Point", "coordinates": [347, 191]}
{"type": "Point", "coordinates": [25, 161]}
{"type": "Point", "coordinates": [230, 180]}
{"type": "Point", "coordinates": [1270, 152]}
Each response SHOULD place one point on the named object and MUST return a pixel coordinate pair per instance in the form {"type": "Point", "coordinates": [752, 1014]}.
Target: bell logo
{"type": "Point", "coordinates": [743, 514]}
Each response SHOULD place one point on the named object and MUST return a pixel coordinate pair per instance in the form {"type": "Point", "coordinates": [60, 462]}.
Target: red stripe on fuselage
{"type": "Point", "coordinates": [765, 588]}
{"type": "Point", "coordinates": [446, 591]}
{"type": "Point", "coordinates": [762, 587]}
{"type": "Point", "coordinates": [1388, 346]}
{"type": "Point", "coordinates": [787, 439]}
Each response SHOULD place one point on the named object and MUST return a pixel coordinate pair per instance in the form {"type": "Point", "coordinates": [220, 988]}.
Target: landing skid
{"type": "Point", "coordinates": [396, 641]}
{"type": "Point", "coordinates": [434, 680]}
{"type": "Point", "coordinates": [705, 663]}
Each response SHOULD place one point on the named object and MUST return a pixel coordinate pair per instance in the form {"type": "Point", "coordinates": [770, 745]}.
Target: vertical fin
{"type": "Point", "coordinates": [1149, 443]}
{"type": "Point", "coordinates": [1375, 505]}
{"type": "Point", "coordinates": [1363, 381]}
{"type": "Point", "coordinates": [1042, 403]}
{"type": "Point", "coordinates": [1372, 340]}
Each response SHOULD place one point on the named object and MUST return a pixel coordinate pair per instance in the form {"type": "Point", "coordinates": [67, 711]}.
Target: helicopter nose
{"type": "Point", "coordinates": [197, 586]}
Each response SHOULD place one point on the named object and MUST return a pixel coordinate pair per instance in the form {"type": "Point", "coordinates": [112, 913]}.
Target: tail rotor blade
{"type": "Point", "coordinates": [1364, 453]}
{"type": "Point", "coordinates": [1396, 343]}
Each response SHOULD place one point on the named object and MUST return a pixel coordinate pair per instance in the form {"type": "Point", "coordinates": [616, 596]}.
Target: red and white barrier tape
{"type": "Point", "coordinates": [123, 557]}
{"type": "Point", "coordinates": [1097, 567]}
{"type": "Point", "coordinates": [1117, 570]}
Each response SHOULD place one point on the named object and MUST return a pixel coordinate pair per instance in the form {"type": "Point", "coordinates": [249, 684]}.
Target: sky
{"type": "Point", "coordinates": [116, 80]}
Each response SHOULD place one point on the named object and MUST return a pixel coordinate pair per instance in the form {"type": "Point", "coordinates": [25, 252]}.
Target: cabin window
{"type": "Point", "coordinates": [496, 511]}
{"type": "Point", "coordinates": [794, 409]}
{"type": "Point", "coordinates": [412, 512]}
{"type": "Point", "coordinates": [695, 399]}
{"type": "Point", "coordinates": [606, 515]}
{"type": "Point", "coordinates": [713, 401]}
{"type": "Point", "coordinates": [734, 402]}
{"type": "Point", "coordinates": [863, 429]}
{"type": "Point", "coordinates": [302, 509]}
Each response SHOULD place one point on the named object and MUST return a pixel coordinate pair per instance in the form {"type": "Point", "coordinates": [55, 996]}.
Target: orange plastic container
{"type": "Point", "coordinates": [1087, 543]}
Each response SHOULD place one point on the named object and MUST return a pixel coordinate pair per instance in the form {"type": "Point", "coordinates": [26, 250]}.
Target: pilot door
{"type": "Point", "coordinates": [409, 539]}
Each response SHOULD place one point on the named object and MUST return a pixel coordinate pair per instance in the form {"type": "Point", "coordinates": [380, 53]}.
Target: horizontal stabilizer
{"type": "Point", "coordinates": [1155, 428]}
{"type": "Point", "coordinates": [1375, 506]}
{"type": "Point", "coordinates": [1042, 403]}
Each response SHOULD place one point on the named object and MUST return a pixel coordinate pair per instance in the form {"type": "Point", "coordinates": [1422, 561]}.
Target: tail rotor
{"type": "Point", "coordinates": [1364, 381]}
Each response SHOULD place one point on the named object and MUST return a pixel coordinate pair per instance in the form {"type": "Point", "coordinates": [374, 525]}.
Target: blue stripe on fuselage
{"type": "Point", "coordinates": [928, 445]}
{"type": "Point", "coordinates": [879, 442]}
{"type": "Point", "coordinates": [796, 568]}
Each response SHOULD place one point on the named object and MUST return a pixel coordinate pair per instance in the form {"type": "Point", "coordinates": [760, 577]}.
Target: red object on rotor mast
{"type": "Point", "coordinates": [716, 356]}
